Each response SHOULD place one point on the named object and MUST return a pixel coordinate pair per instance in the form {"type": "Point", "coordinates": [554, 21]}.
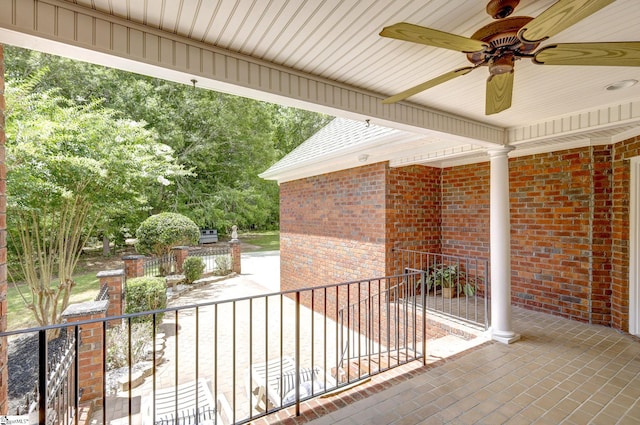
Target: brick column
{"type": "Point", "coordinates": [236, 252]}
{"type": "Point", "coordinates": [133, 265]}
{"type": "Point", "coordinates": [181, 253]}
{"type": "Point", "coordinates": [4, 377]}
{"type": "Point", "coordinates": [90, 351]}
{"type": "Point", "coordinates": [114, 280]}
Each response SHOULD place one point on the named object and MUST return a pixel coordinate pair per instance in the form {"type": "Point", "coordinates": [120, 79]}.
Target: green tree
{"type": "Point", "coordinates": [72, 168]}
{"type": "Point", "coordinates": [225, 140]}
{"type": "Point", "coordinates": [159, 233]}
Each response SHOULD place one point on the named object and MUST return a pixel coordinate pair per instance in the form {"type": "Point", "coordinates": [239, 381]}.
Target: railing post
{"type": "Point", "coordinates": [297, 353]}
{"type": "Point", "coordinates": [423, 289]}
{"type": "Point", "coordinates": [181, 253]}
{"type": "Point", "coordinates": [133, 265]}
{"type": "Point", "coordinates": [4, 351]}
{"type": "Point", "coordinates": [236, 251]}
{"type": "Point", "coordinates": [76, 375]}
{"type": "Point", "coordinates": [43, 377]}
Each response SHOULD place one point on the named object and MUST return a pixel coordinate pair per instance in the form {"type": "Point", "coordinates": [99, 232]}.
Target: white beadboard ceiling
{"type": "Point", "coordinates": [338, 41]}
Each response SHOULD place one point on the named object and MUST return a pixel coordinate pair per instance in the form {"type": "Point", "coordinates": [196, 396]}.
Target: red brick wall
{"type": "Point", "coordinates": [569, 226]}
{"type": "Point", "coordinates": [3, 250]}
{"type": "Point", "coordinates": [343, 227]}
{"type": "Point", "coordinates": [90, 358]}
{"type": "Point", "coordinates": [332, 227]}
{"type": "Point", "coordinates": [621, 153]}
{"type": "Point", "coordinates": [465, 211]}
{"type": "Point", "coordinates": [569, 219]}
{"type": "Point", "coordinates": [413, 212]}
{"type": "Point", "coordinates": [601, 248]}
{"type": "Point", "coordinates": [551, 232]}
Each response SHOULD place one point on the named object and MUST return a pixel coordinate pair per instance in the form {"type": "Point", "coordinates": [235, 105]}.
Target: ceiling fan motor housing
{"type": "Point", "coordinates": [502, 38]}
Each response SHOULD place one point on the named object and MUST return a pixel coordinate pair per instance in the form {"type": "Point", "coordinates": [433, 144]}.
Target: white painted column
{"type": "Point", "coordinates": [500, 228]}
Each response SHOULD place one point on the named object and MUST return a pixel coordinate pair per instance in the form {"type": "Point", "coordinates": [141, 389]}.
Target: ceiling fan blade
{"type": "Point", "coordinates": [560, 16]}
{"type": "Point", "coordinates": [417, 34]}
{"type": "Point", "coordinates": [595, 54]}
{"type": "Point", "coordinates": [499, 91]}
{"type": "Point", "coordinates": [428, 84]}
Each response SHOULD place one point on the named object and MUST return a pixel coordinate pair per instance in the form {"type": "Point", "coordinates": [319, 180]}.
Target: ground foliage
{"type": "Point", "coordinates": [23, 367]}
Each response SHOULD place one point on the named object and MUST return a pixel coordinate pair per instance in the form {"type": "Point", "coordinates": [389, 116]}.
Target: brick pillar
{"type": "Point", "coordinates": [133, 265]}
{"type": "Point", "coordinates": [90, 351]}
{"type": "Point", "coordinates": [236, 252]}
{"type": "Point", "coordinates": [181, 253]}
{"type": "Point", "coordinates": [4, 377]}
{"type": "Point", "coordinates": [114, 280]}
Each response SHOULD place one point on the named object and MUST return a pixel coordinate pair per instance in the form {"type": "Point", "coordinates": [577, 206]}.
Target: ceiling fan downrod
{"type": "Point", "coordinates": [500, 9]}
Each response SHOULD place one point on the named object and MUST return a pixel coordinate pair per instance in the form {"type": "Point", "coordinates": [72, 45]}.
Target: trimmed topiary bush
{"type": "Point", "coordinates": [146, 294]}
{"type": "Point", "coordinates": [161, 232]}
{"type": "Point", "coordinates": [192, 268]}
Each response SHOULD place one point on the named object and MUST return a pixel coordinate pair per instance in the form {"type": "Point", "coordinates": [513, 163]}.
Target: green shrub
{"type": "Point", "coordinates": [146, 294]}
{"type": "Point", "coordinates": [223, 265]}
{"type": "Point", "coordinates": [192, 268]}
{"type": "Point", "coordinates": [161, 232]}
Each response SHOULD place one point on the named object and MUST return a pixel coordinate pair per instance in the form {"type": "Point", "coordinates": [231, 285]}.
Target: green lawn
{"type": "Point", "coordinates": [19, 317]}
{"type": "Point", "coordinates": [265, 241]}
{"type": "Point", "coordinates": [86, 289]}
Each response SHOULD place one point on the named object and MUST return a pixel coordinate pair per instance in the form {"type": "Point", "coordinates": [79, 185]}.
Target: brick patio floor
{"type": "Point", "coordinates": [561, 372]}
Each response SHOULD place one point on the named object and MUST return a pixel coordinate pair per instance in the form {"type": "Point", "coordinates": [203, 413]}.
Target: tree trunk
{"type": "Point", "coordinates": [106, 246]}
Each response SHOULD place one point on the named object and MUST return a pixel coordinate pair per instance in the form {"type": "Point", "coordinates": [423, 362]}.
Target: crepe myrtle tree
{"type": "Point", "coordinates": [71, 167]}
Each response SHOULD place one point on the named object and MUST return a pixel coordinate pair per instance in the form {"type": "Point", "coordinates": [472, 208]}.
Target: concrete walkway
{"type": "Point", "coordinates": [260, 275]}
{"type": "Point", "coordinates": [219, 342]}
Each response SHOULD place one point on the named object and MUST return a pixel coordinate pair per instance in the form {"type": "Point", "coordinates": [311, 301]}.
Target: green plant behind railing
{"type": "Point", "coordinates": [193, 267]}
{"type": "Point", "coordinates": [145, 294]}
{"type": "Point", "coordinates": [449, 276]}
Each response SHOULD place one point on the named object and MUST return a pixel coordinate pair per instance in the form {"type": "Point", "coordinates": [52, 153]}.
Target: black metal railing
{"type": "Point", "coordinates": [103, 294]}
{"type": "Point", "coordinates": [160, 266]}
{"type": "Point", "coordinates": [217, 260]}
{"type": "Point", "coordinates": [371, 345]}
{"type": "Point", "coordinates": [62, 383]}
{"type": "Point", "coordinates": [457, 287]}
{"type": "Point", "coordinates": [240, 359]}
{"type": "Point", "coordinates": [57, 380]}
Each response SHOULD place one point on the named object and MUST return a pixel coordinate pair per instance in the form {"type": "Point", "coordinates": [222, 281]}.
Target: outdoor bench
{"type": "Point", "coordinates": [208, 236]}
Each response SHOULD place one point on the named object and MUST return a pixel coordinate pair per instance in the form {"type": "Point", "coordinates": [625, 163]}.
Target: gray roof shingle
{"type": "Point", "coordinates": [339, 135]}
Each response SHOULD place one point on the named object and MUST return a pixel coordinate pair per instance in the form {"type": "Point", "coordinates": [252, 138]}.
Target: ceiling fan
{"type": "Point", "coordinates": [510, 38]}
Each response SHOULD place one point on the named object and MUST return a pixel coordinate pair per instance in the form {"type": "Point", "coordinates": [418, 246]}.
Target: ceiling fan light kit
{"type": "Point", "coordinates": [501, 43]}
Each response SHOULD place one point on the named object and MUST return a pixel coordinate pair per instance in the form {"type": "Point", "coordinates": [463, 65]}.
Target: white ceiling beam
{"type": "Point", "coordinates": [615, 118]}
{"type": "Point", "coordinates": [80, 33]}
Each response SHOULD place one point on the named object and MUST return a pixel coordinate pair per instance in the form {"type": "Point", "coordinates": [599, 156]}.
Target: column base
{"type": "Point", "coordinates": [505, 338]}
